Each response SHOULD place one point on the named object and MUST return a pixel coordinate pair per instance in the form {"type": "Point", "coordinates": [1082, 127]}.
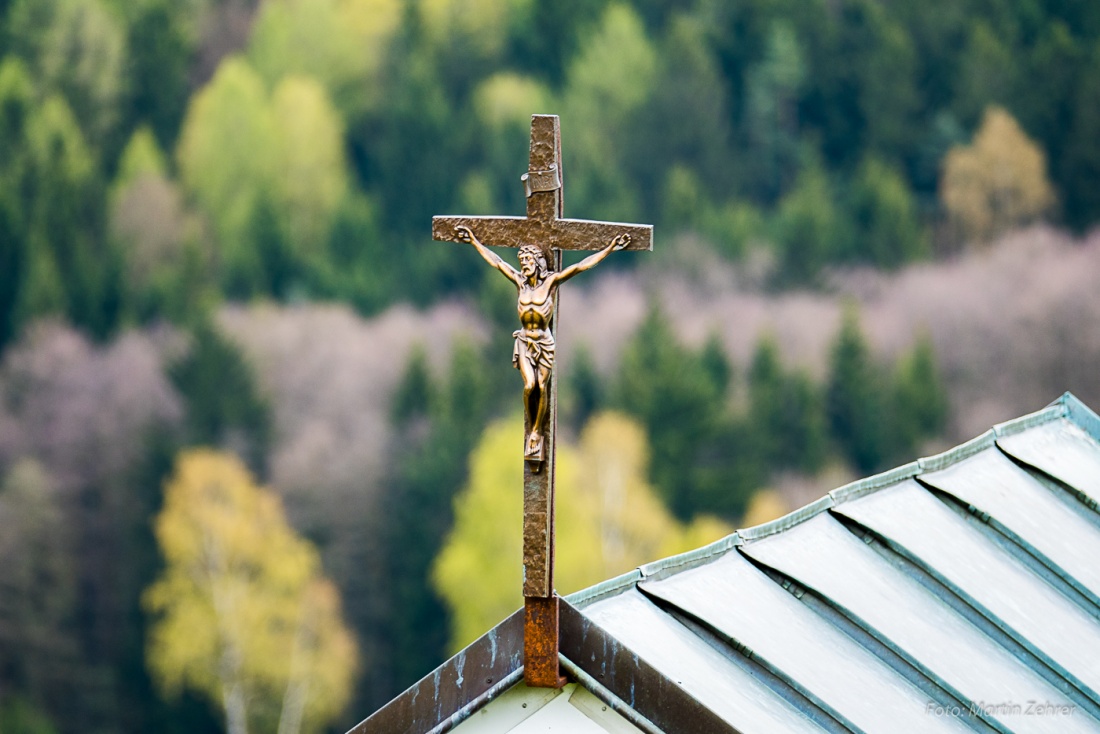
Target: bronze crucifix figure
{"type": "Point", "coordinates": [533, 354]}
{"type": "Point", "coordinates": [540, 237]}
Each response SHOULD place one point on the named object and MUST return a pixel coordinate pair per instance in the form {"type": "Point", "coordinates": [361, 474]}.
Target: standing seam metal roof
{"type": "Point", "coordinates": [957, 593]}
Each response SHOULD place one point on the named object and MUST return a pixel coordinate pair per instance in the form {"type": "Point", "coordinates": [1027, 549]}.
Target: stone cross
{"type": "Point", "coordinates": [544, 227]}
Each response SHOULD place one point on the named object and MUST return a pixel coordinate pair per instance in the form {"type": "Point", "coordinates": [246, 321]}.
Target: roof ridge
{"type": "Point", "coordinates": [1080, 414]}
{"type": "Point", "coordinates": [1066, 406]}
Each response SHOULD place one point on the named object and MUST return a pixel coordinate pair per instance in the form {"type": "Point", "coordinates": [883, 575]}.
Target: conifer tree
{"type": "Point", "coordinates": [429, 467]}
{"type": "Point", "coordinates": [785, 412]}
{"type": "Point", "coordinates": [679, 401]}
{"type": "Point", "coordinates": [920, 399]}
{"type": "Point", "coordinates": [585, 389]}
{"type": "Point", "coordinates": [224, 405]}
{"type": "Point", "coordinates": [854, 399]}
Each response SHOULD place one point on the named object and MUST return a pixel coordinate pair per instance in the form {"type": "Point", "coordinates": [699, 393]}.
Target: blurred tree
{"type": "Point", "coordinates": [771, 116]}
{"type": "Point", "coordinates": [1081, 162]}
{"type": "Point", "coordinates": [64, 210]}
{"type": "Point", "coordinates": [415, 394]}
{"type": "Point", "coordinates": [310, 181]}
{"type": "Point", "coordinates": [77, 49]}
{"type": "Point", "coordinates": [270, 174]}
{"type": "Point", "coordinates": [429, 467]}
{"type": "Point", "coordinates": [854, 399]}
{"type": "Point", "coordinates": [546, 36]}
{"type": "Point", "coordinates": [142, 156]}
{"type": "Point", "coordinates": [809, 228]}
{"type": "Point", "coordinates": [1047, 108]}
{"type": "Point", "coordinates": [361, 267]}
{"type": "Point", "coordinates": [608, 521]}
{"type": "Point", "coordinates": [997, 182]}
{"type": "Point", "coordinates": [986, 73]}
{"type": "Point", "coordinates": [225, 160]}
{"type": "Point", "coordinates": [887, 231]}
{"type": "Point", "coordinates": [399, 154]}
{"type": "Point", "coordinates": [686, 119]}
{"type": "Point", "coordinates": [584, 392]}
{"type": "Point", "coordinates": [168, 265]}
{"type": "Point", "coordinates": [866, 98]}
{"type": "Point", "coordinates": [38, 601]}
{"type": "Point", "coordinates": [607, 85]}
{"type": "Point", "coordinates": [223, 405]}
{"type": "Point", "coordinates": [242, 612]}
{"type": "Point", "coordinates": [94, 417]}
{"type": "Point", "coordinates": [339, 43]}
{"type": "Point", "coordinates": [504, 103]}
{"type": "Point", "coordinates": [16, 110]}
{"type": "Point", "coordinates": [19, 717]}
{"type": "Point", "coordinates": [161, 39]}
{"type": "Point", "coordinates": [716, 363]}
{"type": "Point", "coordinates": [467, 40]}
{"type": "Point", "coordinates": [920, 398]}
{"type": "Point", "coordinates": [680, 400]}
{"type": "Point", "coordinates": [785, 413]}
{"type": "Point", "coordinates": [276, 271]}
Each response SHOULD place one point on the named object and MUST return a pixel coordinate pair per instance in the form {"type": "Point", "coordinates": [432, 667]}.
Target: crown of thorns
{"type": "Point", "coordinates": [540, 258]}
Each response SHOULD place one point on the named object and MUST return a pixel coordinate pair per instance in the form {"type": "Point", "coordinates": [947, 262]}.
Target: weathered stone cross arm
{"type": "Point", "coordinates": [561, 234]}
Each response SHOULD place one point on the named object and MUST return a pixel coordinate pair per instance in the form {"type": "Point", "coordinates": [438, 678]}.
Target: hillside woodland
{"type": "Point", "coordinates": [254, 465]}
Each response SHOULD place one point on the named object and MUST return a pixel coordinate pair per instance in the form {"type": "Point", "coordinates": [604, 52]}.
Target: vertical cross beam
{"type": "Point", "coordinates": [540, 602]}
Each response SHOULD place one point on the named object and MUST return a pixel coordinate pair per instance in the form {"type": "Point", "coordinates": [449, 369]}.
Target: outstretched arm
{"type": "Point", "coordinates": [465, 234]}
{"type": "Point", "coordinates": [617, 243]}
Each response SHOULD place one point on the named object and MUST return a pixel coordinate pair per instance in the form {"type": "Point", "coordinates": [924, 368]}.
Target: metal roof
{"type": "Point", "coordinates": [957, 593]}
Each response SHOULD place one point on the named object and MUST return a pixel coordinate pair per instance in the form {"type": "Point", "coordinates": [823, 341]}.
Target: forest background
{"type": "Point", "coordinates": [872, 240]}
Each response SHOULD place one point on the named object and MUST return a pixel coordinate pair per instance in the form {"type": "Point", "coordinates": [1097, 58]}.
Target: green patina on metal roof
{"type": "Point", "coordinates": [960, 592]}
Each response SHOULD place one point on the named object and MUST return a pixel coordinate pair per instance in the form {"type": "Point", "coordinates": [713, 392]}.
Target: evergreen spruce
{"type": "Point", "coordinates": [854, 399]}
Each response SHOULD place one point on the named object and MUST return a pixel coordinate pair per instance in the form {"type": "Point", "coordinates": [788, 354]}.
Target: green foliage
{"type": "Point", "coordinates": [270, 173]}
{"type": "Point", "coordinates": [606, 85]}
{"type": "Point", "coordinates": [678, 395]}
{"type": "Point", "coordinates": [786, 414]}
{"type": "Point", "coordinates": [773, 86]}
{"type": "Point", "coordinates": [225, 158]}
{"type": "Point", "coordinates": [1081, 161]}
{"type": "Point", "coordinates": [19, 717]}
{"type": "Point", "coordinates": [821, 127]}
{"type": "Point", "coordinates": [429, 467]}
{"type": "Point", "coordinates": [38, 600]}
{"type": "Point", "coordinates": [585, 392]}
{"type": "Point", "coordinates": [311, 180]}
{"type": "Point", "coordinates": [415, 393]}
{"type": "Point", "coordinates": [809, 228]}
{"type": "Point", "coordinates": [161, 40]}
{"type": "Point", "coordinates": [340, 44]}
{"type": "Point", "coordinates": [886, 230]}
{"type": "Point", "coordinates": [141, 157]}
{"type": "Point", "coordinates": [71, 270]}
{"type": "Point", "coordinates": [855, 399]}
{"type": "Point", "coordinates": [878, 418]}
{"type": "Point", "coordinates": [609, 520]}
{"type": "Point", "coordinates": [361, 267]}
{"type": "Point", "coordinates": [77, 49]}
{"type": "Point", "coordinates": [920, 398]}
{"type": "Point", "coordinates": [224, 406]}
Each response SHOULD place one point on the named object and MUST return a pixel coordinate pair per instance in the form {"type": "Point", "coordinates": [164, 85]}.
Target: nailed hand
{"type": "Point", "coordinates": [621, 241]}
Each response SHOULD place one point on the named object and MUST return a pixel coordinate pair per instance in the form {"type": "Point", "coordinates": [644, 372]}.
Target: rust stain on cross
{"type": "Point", "coordinates": [540, 237]}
